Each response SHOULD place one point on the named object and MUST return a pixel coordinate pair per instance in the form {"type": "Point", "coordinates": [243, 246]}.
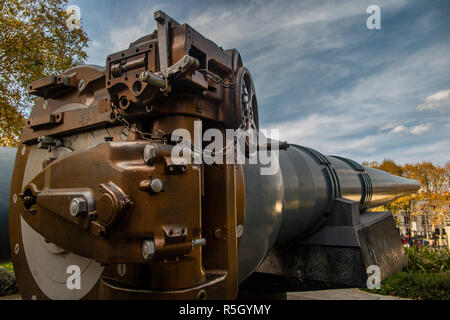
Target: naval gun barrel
{"type": "Point", "coordinates": [7, 156]}
{"type": "Point", "coordinates": [291, 204]}
{"type": "Point", "coordinates": [99, 182]}
{"type": "Point", "coordinates": [297, 201]}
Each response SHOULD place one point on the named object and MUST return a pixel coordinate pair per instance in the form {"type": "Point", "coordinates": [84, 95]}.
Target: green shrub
{"type": "Point", "coordinates": [424, 259]}
{"type": "Point", "coordinates": [8, 267]}
{"type": "Point", "coordinates": [427, 276]}
{"type": "Point", "coordinates": [417, 285]}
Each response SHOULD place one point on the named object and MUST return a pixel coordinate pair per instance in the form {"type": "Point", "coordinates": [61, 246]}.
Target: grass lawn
{"type": "Point", "coordinates": [8, 267]}
{"type": "Point", "coordinates": [427, 276]}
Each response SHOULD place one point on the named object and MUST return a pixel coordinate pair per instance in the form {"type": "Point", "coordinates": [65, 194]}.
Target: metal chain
{"type": "Point", "coordinates": [147, 136]}
{"type": "Point", "coordinates": [217, 79]}
{"type": "Point", "coordinates": [247, 123]}
{"type": "Point", "coordinates": [126, 124]}
{"type": "Point", "coordinates": [225, 150]}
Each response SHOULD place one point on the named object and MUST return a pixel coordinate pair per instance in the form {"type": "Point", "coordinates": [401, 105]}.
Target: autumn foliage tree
{"type": "Point", "coordinates": [35, 42]}
{"type": "Point", "coordinates": [434, 195]}
{"type": "Point", "coordinates": [433, 198]}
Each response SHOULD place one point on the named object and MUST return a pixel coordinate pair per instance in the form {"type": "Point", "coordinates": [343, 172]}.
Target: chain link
{"type": "Point", "coordinates": [242, 129]}
{"type": "Point", "coordinates": [126, 124]}
{"type": "Point", "coordinates": [217, 79]}
{"type": "Point", "coordinates": [247, 123]}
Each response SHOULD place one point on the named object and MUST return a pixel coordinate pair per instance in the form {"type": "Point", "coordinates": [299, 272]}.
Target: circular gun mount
{"type": "Point", "coordinates": [246, 100]}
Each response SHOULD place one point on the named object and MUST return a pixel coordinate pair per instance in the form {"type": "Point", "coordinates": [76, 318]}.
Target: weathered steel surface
{"type": "Point", "coordinates": [339, 253]}
{"type": "Point", "coordinates": [7, 156]}
{"type": "Point", "coordinates": [97, 186]}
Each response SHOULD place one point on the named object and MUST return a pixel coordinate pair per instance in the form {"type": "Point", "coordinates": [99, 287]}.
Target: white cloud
{"type": "Point", "coordinates": [329, 134]}
{"type": "Point", "coordinates": [438, 100]}
{"type": "Point", "coordinates": [278, 34]}
{"type": "Point", "coordinates": [343, 136]}
{"type": "Point", "coordinates": [399, 129]}
{"type": "Point", "coordinates": [383, 93]}
{"type": "Point", "coordinates": [121, 38]}
{"type": "Point", "coordinates": [389, 126]}
{"type": "Point", "coordinates": [394, 128]}
{"type": "Point", "coordinates": [230, 25]}
{"type": "Point", "coordinates": [434, 151]}
{"type": "Point", "coordinates": [420, 129]}
{"type": "Point", "coordinates": [373, 113]}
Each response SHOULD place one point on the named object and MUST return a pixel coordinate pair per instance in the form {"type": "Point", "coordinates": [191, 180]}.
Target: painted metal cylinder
{"type": "Point", "coordinates": [290, 204]}
{"type": "Point", "coordinates": [7, 157]}
{"type": "Point", "coordinates": [296, 201]}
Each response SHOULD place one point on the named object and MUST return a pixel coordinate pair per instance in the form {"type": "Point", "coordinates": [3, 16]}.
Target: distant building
{"type": "Point", "coordinates": [420, 225]}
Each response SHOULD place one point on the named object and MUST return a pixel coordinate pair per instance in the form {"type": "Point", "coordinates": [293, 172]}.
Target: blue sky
{"type": "Point", "coordinates": [322, 77]}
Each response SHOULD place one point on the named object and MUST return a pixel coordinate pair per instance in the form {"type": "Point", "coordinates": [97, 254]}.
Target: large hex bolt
{"type": "Point", "coordinates": [45, 142]}
{"type": "Point", "coordinates": [149, 154]}
{"type": "Point", "coordinates": [148, 249]}
{"type": "Point", "coordinates": [153, 79]}
{"type": "Point", "coordinates": [239, 231]}
{"type": "Point", "coordinates": [198, 243]}
{"type": "Point", "coordinates": [78, 206]}
{"type": "Point", "coordinates": [156, 185]}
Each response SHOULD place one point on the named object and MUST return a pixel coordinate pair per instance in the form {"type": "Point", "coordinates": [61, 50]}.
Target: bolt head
{"type": "Point", "coordinates": [81, 85]}
{"type": "Point", "coordinates": [142, 76]}
{"type": "Point", "coordinates": [156, 185]}
{"type": "Point", "coordinates": [78, 206]}
{"type": "Point", "coordinates": [148, 249]}
{"type": "Point", "coordinates": [149, 154]}
{"type": "Point", "coordinates": [239, 231]}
